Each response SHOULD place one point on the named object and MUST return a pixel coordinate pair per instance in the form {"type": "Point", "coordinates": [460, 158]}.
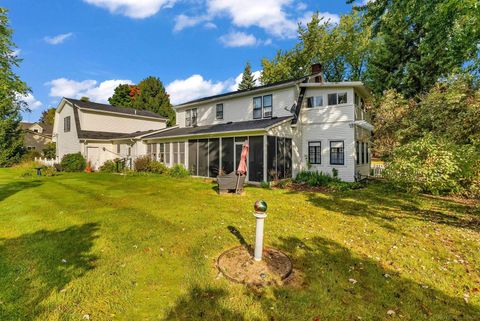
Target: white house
{"type": "Point", "coordinates": [102, 132]}
{"type": "Point", "coordinates": [301, 124]}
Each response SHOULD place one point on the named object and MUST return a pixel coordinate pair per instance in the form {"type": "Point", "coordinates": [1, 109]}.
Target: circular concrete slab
{"type": "Point", "coordinates": [238, 265]}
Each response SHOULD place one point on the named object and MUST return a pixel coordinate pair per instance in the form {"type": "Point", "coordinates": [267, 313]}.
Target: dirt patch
{"type": "Point", "coordinates": [238, 265]}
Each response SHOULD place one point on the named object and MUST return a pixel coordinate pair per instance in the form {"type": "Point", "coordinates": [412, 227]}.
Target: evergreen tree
{"type": "Point", "coordinates": [248, 80]}
{"type": "Point", "coordinates": [121, 96]}
{"type": "Point", "coordinates": [11, 93]}
{"type": "Point", "coordinates": [48, 116]}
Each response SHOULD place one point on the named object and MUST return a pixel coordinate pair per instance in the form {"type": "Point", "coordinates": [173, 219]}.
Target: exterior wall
{"type": "Point", "coordinates": [36, 142]}
{"type": "Point", "coordinates": [104, 151]}
{"type": "Point", "coordinates": [241, 108]}
{"type": "Point", "coordinates": [94, 121]}
{"type": "Point", "coordinates": [67, 142]}
{"type": "Point", "coordinates": [36, 127]}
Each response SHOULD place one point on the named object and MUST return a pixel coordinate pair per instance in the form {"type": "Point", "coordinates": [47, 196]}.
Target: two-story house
{"type": "Point", "coordinates": [37, 136]}
{"type": "Point", "coordinates": [302, 124]}
{"type": "Point", "coordinates": [102, 132]}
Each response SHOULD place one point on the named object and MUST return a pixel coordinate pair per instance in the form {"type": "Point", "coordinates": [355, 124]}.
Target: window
{"type": "Point", "coordinates": [118, 149]}
{"type": "Point", "coordinates": [161, 153]}
{"type": "Point", "coordinates": [337, 156]}
{"type": "Point", "coordinates": [181, 152]}
{"type": "Point", "coordinates": [337, 99]}
{"type": "Point", "coordinates": [366, 153]}
{"type": "Point", "coordinates": [191, 117]}
{"type": "Point", "coordinates": [257, 107]}
{"type": "Point", "coordinates": [31, 148]}
{"type": "Point", "coordinates": [262, 107]}
{"type": "Point", "coordinates": [35, 130]}
{"type": "Point", "coordinates": [167, 153]}
{"type": "Point", "coordinates": [219, 111]}
{"type": "Point", "coordinates": [316, 101]}
{"type": "Point", "coordinates": [363, 152]}
{"type": "Point", "coordinates": [66, 124]}
{"type": "Point", "coordinates": [315, 152]}
{"type": "Point", "coordinates": [267, 106]}
{"type": "Point", "coordinates": [357, 151]}
{"type": "Point", "coordinates": [175, 153]}
{"type": "Point", "coordinates": [357, 100]}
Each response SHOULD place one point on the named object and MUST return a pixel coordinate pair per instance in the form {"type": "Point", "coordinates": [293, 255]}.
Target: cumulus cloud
{"type": "Point", "coordinates": [137, 9]}
{"type": "Point", "coordinates": [98, 92]}
{"type": "Point", "coordinates": [56, 40]}
{"type": "Point", "coordinates": [31, 101]}
{"type": "Point", "coordinates": [183, 21]}
{"type": "Point", "coordinates": [327, 17]}
{"type": "Point", "coordinates": [241, 39]}
{"type": "Point", "coordinates": [195, 86]}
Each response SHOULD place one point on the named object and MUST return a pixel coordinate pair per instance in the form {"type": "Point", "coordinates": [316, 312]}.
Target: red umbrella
{"type": "Point", "coordinates": [242, 166]}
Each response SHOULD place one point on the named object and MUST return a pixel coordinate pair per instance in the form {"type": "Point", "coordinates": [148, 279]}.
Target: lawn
{"type": "Point", "coordinates": [110, 247]}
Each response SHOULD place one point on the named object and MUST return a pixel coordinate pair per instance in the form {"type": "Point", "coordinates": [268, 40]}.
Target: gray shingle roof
{"type": "Point", "coordinates": [114, 109]}
{"type": "Point", "coordinates": [221, 128]}
{"type": "Point", "coordinates": [88, 134]}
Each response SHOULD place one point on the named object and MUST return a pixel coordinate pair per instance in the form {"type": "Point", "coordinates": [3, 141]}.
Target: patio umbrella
{"type": "Point", "coordinates": [242, 166]}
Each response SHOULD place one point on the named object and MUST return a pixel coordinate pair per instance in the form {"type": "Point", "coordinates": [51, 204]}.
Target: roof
{"type": "Point", "coordinates": [238, 92]}
{"type": "Point", "coordinates": [89, 134]}
{"type": "Point", "coordinates": [47, 129]}
{"type": "Point", "coordinates": [249, 125]}
{"type": "Point", "coordinates": [113, 109]}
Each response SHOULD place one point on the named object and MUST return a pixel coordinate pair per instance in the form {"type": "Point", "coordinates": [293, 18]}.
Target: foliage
{"type": "Point", "coordinates": [157, 167]}
{"type": "Point", "coordinates": [73, 163]}
{"type": "Point", "coordinates": [12, 94]}
{"type": "Point", "coordinates": [264, 184]}
{"type": "Point", "coordinates": [27, 164]}
{"type": "Point", "coordinates": [122, 96]}
{"type": "Point", "coordinates": [417, 42]}
{"type": "Point", "coordinates": [248, 80]}
{"type": "Point", "coordinates": [85, 98]}
{"type": "Point", "coordinates": [141, 164]}
{"type": "Point", "coordinates": [314, 178]}
{"type": "Point", "coordinates": [49, 171]}
{"type": "Point", "coordinates": [179, 171]}
{"type": "Point", "coordinates": [50, 150]}
{"type": "Point", "coordinates": [109, 166]}
{"type": "Point", "coordinates": [148, 165]}
{"type": "Point", "coordinates": [30, 155]}
{"type": "Point", "coordinates": [341, 49]}
{"type": "Point", "coordinates": [432, 165]}
{"type": "Point", "coordinates": [48, 116]}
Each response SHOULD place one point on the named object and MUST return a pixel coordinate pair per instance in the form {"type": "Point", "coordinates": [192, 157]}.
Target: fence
{"type": "Point", "coordinates": [45, 161]}
{"type": "Point", "coordinates": [377, 170]}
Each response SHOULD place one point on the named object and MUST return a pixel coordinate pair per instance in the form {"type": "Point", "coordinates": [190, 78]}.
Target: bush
{"type": "Point", "coordinates": [50, 150]}
{"type": "Point", "coordinates": [432, 165]}
{"type": "Point", "coordinates": [49, 171]}
{"type": "Point", "coordinates": [179, 171]}
{"type": "Point", "coordinates": [109, 166]}
{"type": "Point", "coordinates": [142, 164]}
{"type": "Point", "coordinates": [314, 178]}
{"type": "Point", "coordinates": [265, 185]}
{"type": "Point", "coordinates": [73, 163]}
{"type": "Point", "coordinates": [157, 168]}
{"type": "Point", "coordinates": [30, 156]}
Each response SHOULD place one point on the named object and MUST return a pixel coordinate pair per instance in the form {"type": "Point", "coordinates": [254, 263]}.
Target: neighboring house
{"type": "Point", "coordinates": [36, 136]}
{"type": "Point", "coordinates": [290, 126]}
{"type": "Point", "coordinates": [302, 124]}
{"type": "Point", "coordinates": [102, 132]}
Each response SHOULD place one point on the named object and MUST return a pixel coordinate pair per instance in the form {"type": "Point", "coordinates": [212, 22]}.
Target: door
{"type": "Point", "coordinates": [255, 159]}
{"type": "Point", "coordinates": [93, 156]}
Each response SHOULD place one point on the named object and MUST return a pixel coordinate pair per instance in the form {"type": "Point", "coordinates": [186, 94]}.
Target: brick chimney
{"type": "Point", "coordinates": [316, 68]}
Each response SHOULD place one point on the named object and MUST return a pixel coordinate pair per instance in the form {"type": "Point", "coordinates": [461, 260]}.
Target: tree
{"type": "Point", "coordinates": [121, 96]}
{"type": "Point", "coordinates": [248, 80]}
{"type": "Point", "coordinates": [48, 116]}
{"type": "Point", "coordinates": [11, 94]}
{"type": "Point", "coordinates": [342, 50]}
{"type": "Point", "coordinates": [85, 98]}
{"type": "Point", "coordinates": [418, 42]}
{"type": "Point", "coordinates": [50, 150]}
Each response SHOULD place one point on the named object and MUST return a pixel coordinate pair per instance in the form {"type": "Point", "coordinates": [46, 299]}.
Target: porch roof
{"type": "Point", "coordinates": [230, 127]}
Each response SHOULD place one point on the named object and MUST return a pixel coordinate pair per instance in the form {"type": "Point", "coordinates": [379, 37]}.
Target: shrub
{"type": "Point", "coordinates": [50, 150]}
{"type": "Point", "coordinates": [265, 185]}
{"type": "Point", "coordinates": [431, 165]}
{"type": "Point", "coordinates": [49, 171]}
{"type": "Point", "coordinates": [179, 171]}
{"type": "Point", "coordinates": [30, 156]}
{"type": "Point", "coordinates": [142, 164]}
{"type": "Point", "coordinates": [109, 166]}
{"type": "Point", "coordinates": [314, 178]}
{"type": "Point", "coordinates": [157, 168]}
{"type": "Point", "coordinates": [73, 163]}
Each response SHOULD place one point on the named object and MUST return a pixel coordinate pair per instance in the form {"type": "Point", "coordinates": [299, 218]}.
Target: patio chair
{"type": "Point", "coordinates": [230, 183]}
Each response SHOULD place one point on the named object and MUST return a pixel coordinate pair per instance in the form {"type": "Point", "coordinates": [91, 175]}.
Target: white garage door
{"type": "Point", "coordinates": [93, 156]}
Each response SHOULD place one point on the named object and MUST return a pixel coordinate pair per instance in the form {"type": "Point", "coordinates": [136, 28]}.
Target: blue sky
{"type": "Point", "coordinates": [196, 47]}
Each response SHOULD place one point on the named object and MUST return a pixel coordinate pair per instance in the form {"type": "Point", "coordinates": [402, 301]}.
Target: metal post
{"type": "Point", "coordinates": [260, 216]}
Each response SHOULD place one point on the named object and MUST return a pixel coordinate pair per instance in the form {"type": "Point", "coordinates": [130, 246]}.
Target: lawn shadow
{"type": "Point", "coordinates": [32, 266]}
{"type": "Point", "coordinates": [240, 238]}
{"type": "Point", "coordinates": [7, 190]}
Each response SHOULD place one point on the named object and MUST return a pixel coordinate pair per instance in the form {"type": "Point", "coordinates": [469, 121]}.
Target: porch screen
{"type": "Point", "coordinates": [279, 157]}
{"type": "Point", "coordinates": [213, 157]}
{"type": "Point", "coordinates": [227, 155]}
{"type": "Point", "coordinates": [255, 158]}
{"type": "Point", "coordinates": [203, 157]}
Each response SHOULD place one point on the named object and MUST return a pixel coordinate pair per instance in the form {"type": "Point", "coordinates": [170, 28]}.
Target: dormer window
{"type": "Point", "coordinates": [262, 107]}
{"type": "Point", "coordinates": [191, 117]}
{"type": "Point", "coordinates": [219, 111]}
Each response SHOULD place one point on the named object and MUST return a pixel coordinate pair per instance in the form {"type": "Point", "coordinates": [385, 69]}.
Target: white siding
{"type": "Point", "coordinates": [115, 123]}
{"type": "Point", "coordinates": [67, 142]}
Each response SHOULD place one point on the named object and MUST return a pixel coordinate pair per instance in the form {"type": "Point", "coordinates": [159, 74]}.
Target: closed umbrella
{"type": "Point", "coordinates": [242, 166]}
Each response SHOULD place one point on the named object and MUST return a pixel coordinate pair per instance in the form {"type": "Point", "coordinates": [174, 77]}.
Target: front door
{"type": "Point", "coordinates": [93, 156]}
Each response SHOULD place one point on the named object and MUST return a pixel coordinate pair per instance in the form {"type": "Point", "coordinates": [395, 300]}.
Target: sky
{"type": "Point", "coordinates": [197, 48]}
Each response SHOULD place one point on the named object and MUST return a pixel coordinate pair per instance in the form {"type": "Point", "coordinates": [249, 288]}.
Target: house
{"type": "Point", "coordinates": [290, 126]}
{"type": "Point", "coordinates": [102, 132]}
{"type": "Point", "coordinates": [37, 135]}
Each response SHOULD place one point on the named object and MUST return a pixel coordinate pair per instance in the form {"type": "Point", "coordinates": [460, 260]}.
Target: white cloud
{"type": "Point", "coordinates": [31, 101]}
{"type": "Point", "coordinates": [193, 87]}
{"type": "Point", "coordinates": [256, 74]}
{"type": "Point", "coordinates": [98, 92]}
{"type": "Point", "coordinates": [137, 9]}
{"type": "Point", "coordinates": [16, 52]}
{"type": "Point", "coordinates": [210, 25]}
{"type": "Point", "coordinates": [327, 17]}
{"type": "Point", "coordinates": [55, 40]}
{"type": "Point", "coordinates": [182, 21]}
{"type": "Point", "coordinates": [238, 39]}
{"type": "Point", "coordinates": [270, 15]}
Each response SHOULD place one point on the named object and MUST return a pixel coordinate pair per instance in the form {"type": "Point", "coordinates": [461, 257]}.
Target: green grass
{"type": "Point", "coordinates": [144, 248]}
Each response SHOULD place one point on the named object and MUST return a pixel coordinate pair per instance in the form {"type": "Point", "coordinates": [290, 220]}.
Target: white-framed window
{"type": "Point", "coordinates": [191, 117]}
{"type": "Point", "coordinates": [66, 124]}
{"type": "Point", "coordinates": [337, 152]}
{"type": "Point", "coordinates": [315, 152]}
{"type": "Point", "coordinates": [316, 101]}
{"type": "Point", "coordinates": [167, 153]}
{"type": "Point", "coordinates": [219, 111]}
{"type": "Point", "coordinates": [161, 153]}
{"type": "Point", "coordinates": [337, 99]}
{"type": "Point", "coordinates": [262, 107]}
